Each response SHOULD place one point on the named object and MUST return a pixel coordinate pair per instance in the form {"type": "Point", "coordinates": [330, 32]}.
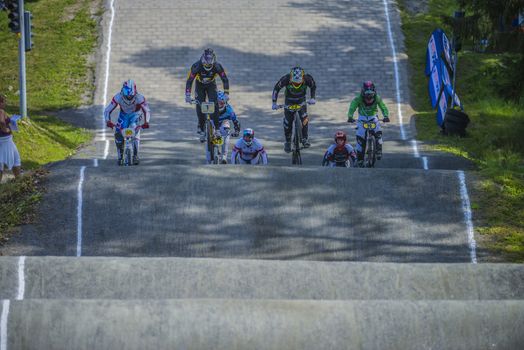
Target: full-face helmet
{"type": "Point", "coordinates": [208, 59]}
{"type": "Point", "coordinates": [129, 90]}
{"type": "Point", "coordinates": [296, 77]}
{"type": "Point", "coordinates": [368, 92]}
{"type": "Point", "coordinates": [340, 135]}
{"type": "Point", "coordinates": [248, 135]}
{"type": "Point", "coordinates": [222, 99]}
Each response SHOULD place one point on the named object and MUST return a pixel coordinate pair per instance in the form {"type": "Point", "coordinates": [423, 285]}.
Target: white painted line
{"type": "Point", "coordinates": [79, 213]}
{"type": "Point", "coordinates": [395, 65]}
{"type": "Point", "coordinates": [95, 162]}
{"type": "Point", "coordinates": [466, 207]}
{"type": "Point", "coordinates": [108, 57]}
{"type": "Point", "coordinates": [3, 324]}
{"type": "Point", "coordinates": [106, 149]}
{"type": "Point", "coordinates": [415, 148]}
{"type": "Point", "coordinates": [425, 163]}
{"type": "Point", "coordinates": [21, 278]}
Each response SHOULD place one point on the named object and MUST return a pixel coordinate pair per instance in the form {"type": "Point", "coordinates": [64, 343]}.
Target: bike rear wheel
{"type": "Point", "coordinates": [209, 144]}
{"type": "Point", "coordinates": [215, 155]}
{"type": "Point", "coordinates": [127, 156]}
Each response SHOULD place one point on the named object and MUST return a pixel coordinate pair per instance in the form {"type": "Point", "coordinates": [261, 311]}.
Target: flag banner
{"type": "Point", "coordinates": [446, 50]}
{"type": "Point", "coordinates": [435, 85]}
{"type": "Point", "coordinates": [442, 108]}
{"type": "Point", "coordinates": [444, 74]}
{"type": "Point", "coordinates": [449, 92]}
{"type": "Point", "coordinates": [433, 50]}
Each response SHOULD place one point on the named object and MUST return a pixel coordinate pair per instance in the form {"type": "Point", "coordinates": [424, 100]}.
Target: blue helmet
{"type": "Point", "coordinates": [222, 99]}
{"type": "Point", "coordinates": [129, 90]}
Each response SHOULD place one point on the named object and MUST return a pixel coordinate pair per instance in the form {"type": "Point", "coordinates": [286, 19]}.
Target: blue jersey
{"type": "Point", "coordinates": [228, 114]}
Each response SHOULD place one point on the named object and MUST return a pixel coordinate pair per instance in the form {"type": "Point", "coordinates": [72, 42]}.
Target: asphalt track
{"type": "Point", "coordinates": [144, 230]}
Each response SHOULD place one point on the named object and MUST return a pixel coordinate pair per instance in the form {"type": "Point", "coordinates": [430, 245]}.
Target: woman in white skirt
{"type": "Point", "coordinates": [9, 156]}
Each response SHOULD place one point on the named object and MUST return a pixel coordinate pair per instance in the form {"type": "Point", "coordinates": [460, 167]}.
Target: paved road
{"type": "Point", "coordinates": [172, 205]}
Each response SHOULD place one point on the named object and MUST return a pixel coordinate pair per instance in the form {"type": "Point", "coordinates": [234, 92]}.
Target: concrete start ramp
{"type": "Point", "coordinates": [178, 303]}
{"type": "Point", "coordinates": [265, 324]}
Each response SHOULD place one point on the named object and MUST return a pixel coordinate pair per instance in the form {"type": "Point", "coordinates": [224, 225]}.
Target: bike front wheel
{"type": "Point", "coordinates": [370, 152]}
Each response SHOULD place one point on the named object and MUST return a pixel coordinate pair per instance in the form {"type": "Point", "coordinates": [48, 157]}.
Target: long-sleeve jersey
{"type": "Point", "coordinates": [338, 153]}
{"type": "Point", "coordinates": [248, 153]}
{"type": "Point", "coordinates": [139, 104]}
{"type": "Point", "coordinates": [198, 72]}
{"type": "Point", "coordinates": [292, 95]}
{"type": "Point", "coordinates": [365, 110]}
{"type": "Point", "coordinates": [228, 114]}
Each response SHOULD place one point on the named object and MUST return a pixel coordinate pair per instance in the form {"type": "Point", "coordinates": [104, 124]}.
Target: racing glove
{"type": "Point", "coordinates": [110, 124]}
{"type": "Point", "coordinates": [274, 106]}
{"type": "Point", "coordinates": [351, 120]}
{"type": "Point", "coordinates": [386, 119]}
{"type": "Point", "coordinates": [312, 101]}
{"type": "Point", "coordinates": [145, 125]}
{"type": "Point", "coordinates": [188, 97]}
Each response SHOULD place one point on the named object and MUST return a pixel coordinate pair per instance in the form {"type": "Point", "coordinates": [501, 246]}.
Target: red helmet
{"type": "Point", "coordinates": [368, 92]}
{"type": "Point", "coordinates": [340, 135]}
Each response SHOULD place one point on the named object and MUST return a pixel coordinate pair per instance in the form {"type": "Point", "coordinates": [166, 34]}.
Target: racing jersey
{"type": "Point", "coordinates": [336, 153]}
{"type": "Point", "coordinates": [206, 77]}
{"type": "Point", "coordinates": [139, 103]}
{"type": "Point", "coordinates": [248, 153]}
{"type": "Point", "coordinates": [293, 95]}
{"type": "Point", "coordinates": [367, 111]}
{"type": "Point", "coordinates": [228, 114]}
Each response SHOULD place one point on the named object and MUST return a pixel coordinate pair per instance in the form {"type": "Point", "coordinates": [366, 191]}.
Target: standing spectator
{"type": "Point", "coordinates": [9, 155]}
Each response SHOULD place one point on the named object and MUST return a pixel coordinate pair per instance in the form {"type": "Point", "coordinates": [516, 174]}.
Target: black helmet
{"type": "Point", "coordinates": [368, 92]}
{"type": "Point", "coordinates": [208, 59]}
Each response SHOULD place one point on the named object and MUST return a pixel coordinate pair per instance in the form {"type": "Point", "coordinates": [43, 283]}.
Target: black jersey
{"type": "Point", "coordinates": [205, 77]}
{"type": "Point", "coordinates": [292, 94]}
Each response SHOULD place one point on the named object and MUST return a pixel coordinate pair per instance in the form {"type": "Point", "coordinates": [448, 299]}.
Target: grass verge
{"type": "Point", "coordinates": [57, 78]}
{"type": "Point", "coordinates": [494, 141]}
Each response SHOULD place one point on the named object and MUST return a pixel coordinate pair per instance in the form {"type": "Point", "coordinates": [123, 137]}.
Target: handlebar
{"type": "Point", "coordinates": [287, 106]}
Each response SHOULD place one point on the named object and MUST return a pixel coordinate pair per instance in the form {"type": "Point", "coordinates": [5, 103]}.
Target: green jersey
{"type": "Point", "coordinates": [367, 111]}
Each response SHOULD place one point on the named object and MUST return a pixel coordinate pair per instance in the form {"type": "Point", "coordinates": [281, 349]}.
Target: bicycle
{"type": "Point", "coordinates": [296, 157]}
{"type": "Point", "coordinates": [130, 147]}
{"type": "Point", "coordinates": [212, 141]}
{"type": "Point", "coordinates": [370, 142]}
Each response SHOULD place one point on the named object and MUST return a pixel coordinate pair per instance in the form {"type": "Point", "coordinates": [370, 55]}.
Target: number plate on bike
{"type": "Point", "coordinates": [294, 107]}
{"type": "Point", "coordinates": [129, 132]}
{"type": "Point", "coordinates": [207, 107]}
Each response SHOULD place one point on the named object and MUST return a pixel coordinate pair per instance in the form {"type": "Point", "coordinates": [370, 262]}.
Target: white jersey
{"type": "Point", "coordinates": [138, 104]}
{"type": "Point", "coordinates": [248, 154]}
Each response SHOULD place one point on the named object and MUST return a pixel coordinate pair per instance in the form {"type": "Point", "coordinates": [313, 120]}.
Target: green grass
{"type": "Point", "coordinates": [494, 141]}
{"type": "Point", "coordinates": [57, 78]}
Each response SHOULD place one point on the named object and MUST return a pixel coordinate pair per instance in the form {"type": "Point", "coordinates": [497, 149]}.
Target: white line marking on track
{"type": "Point", "coordinates": [108, 57]}
{"type": "Point", "coordinates": [95, 162]}
{"type": "Point", "coordinates": [466, 207]}
{"type": "Point", "coordinates": [425, 163]}
{"type": "Point", "coordinates": [3, 324]}
{"type": "Point", "coordinates": [395, 64]}
{"type": "Point", "coordinates": [415, 148]}
{"type": "Point", "coordinates": [79, 213]}
{"type": "Point", "coordinates": [21, 278]}
{"type": "Point", "coordinates": [106, 149]}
